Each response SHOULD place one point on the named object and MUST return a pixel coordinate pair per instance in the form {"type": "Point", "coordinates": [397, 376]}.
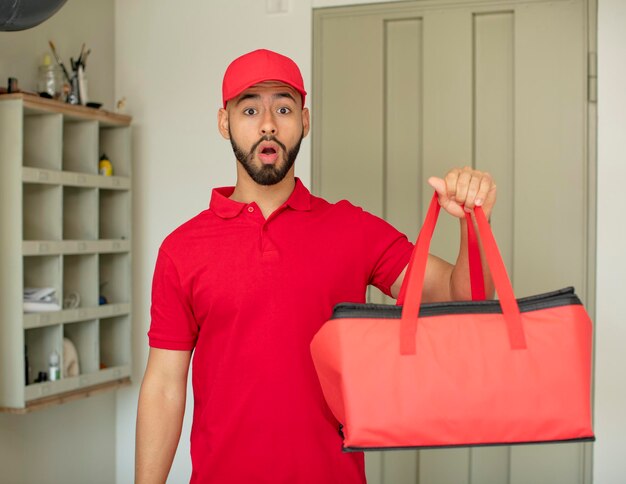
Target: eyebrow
{"type": "Point", "coordinates": [285, 94]}
{"type": "Point", "coordinates": [247, 96]}
{"type": "Point", "coordinates": [257, 96]}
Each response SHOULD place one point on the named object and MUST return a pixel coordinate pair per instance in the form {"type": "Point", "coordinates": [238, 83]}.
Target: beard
{"type": "Point", "coordinates": [266, 174]}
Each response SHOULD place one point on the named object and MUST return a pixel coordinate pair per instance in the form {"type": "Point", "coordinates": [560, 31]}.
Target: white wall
{"type": "Point", "coordinates": [610, 382]}
{"type": "Point", "coordinates": [72, 443]}
{"type": "Point", "coordinates": [169, 63]}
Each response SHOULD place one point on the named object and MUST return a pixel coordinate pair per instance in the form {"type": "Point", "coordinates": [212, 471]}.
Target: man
{"type": "Point", "coordinates": [247, 283]}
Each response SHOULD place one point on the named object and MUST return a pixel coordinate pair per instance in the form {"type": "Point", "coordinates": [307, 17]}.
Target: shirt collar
{"type": "Point", "coordinates": [300, 198]}
{"type": "Point", "coordinates": [224, 207]}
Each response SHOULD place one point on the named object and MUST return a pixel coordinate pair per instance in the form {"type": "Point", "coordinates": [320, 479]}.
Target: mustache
{"type": "Point", "coordinates": [268, 137]}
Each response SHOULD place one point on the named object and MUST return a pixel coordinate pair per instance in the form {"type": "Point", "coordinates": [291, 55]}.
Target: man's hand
{"type": "Point", "coordinates": [464, 188]}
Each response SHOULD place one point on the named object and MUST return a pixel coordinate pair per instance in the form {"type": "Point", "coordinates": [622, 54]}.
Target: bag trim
{"type": "Point", "coordinates": [499, 444]}
{"type": "Point", "coordinates": [562, 297]}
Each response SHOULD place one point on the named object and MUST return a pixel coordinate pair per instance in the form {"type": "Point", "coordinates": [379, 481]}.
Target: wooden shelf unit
{"type": "Point", "coordinates": [63, 226]}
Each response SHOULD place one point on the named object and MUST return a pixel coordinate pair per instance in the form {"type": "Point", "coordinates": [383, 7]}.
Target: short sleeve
{"type": "Point", "coordinates": [172, 325]}
{"type": "Point", "coordinates": [388, 251]}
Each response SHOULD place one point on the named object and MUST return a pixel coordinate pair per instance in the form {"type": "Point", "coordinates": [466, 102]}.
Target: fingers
{"type": "Point", "coordinates": [439, 185]}
{"type": "Point", "coordinates": [448, 203]}
{"type": "Point", "coordinates": [485, 190]}
{"type": "Point", "coordinates": [451, 179]}
{"type": "Point", "coordinates": [467, 188]}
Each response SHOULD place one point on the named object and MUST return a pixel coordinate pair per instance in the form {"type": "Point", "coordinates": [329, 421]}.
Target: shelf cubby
{"type": "Point", "coordinates": [114, 342]}
{"type": "Point", "coordinates": [80, 213]}
{"type": "Point", "coordinates": [79, 276]}
{"type": "Point", "coordinates": [115, 143]}
{"type": "Point", "coordinates": [80, 146]}
{"type": "Point", "coordinates": [43, 137]}
{"type": "Point", "coordinates": [115, 277]}
{"type": "Point", "coordinates": [43, 271]}
{"type": "Point", "coordinates": [84, 336]}
{"type": "Point", "coordinates": [40, 344]}
{"type": "Point", "coordinates": [114, 214]}
{"type": "Point", "coordinates": [41, 212]}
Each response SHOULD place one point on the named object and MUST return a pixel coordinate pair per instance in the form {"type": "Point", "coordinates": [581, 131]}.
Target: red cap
{"type": "Point", "coordinates": [259, 66]}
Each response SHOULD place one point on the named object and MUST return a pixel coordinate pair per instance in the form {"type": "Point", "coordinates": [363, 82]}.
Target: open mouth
{"type": "Point", "coordinates": [268, 153]}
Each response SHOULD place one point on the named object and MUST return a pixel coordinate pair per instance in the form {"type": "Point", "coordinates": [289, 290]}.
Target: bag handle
{"type": "Point", "coordinates": [477, 280]}
{"type": "Point", "coordinates": [414, 280]}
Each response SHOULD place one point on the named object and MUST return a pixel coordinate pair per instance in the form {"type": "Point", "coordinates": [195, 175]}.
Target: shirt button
{"type": "Point", "coordinates": [250, 209]}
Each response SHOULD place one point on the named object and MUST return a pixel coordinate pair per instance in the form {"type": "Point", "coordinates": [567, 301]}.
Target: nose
{"type": "Point", "coordinates": [268, 124]}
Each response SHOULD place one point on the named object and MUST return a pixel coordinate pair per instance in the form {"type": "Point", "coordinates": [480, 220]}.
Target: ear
{"type": "Point", "coordinates": [223, 123]}
{"type": "Point", "coordinates": [306, 121]}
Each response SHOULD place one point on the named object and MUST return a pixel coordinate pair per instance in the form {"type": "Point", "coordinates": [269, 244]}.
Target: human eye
{"type": "Point", "coordinates": [283, 110]}
{"type": "Point", "coordinates": [250, 111]}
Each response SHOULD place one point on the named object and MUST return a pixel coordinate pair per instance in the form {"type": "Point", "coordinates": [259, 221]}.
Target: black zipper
{"type": "Point", "coordinates": [420, 447]}
{"type": "Point", "coordinates": [562, 297]}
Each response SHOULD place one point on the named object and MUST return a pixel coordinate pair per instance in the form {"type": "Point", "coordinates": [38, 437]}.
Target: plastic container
{"type": "Point", "coordinates": [50, 79]}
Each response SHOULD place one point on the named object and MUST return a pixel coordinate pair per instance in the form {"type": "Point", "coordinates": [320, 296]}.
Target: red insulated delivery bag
{"type": "Point", "coordinates": [459, 373]}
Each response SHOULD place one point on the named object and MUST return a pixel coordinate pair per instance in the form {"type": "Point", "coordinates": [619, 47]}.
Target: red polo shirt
{"type": "Point", "coordinates": [248, 294]}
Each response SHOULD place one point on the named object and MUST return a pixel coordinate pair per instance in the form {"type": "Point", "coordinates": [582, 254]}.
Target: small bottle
{"type": "Point", "coordinates": [104, 166]}
{"type": "Point", "coordinates": [54, 370]}
{"type": "Point", "coordinates": [74, 95]}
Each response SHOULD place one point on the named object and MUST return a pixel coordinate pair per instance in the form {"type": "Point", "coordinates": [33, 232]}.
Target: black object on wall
{"type": "Point", "coordinates": [24, 14]}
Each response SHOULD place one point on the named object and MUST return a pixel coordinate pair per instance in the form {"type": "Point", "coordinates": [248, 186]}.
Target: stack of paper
{"type": "Point", "coordinates": [40, 299]}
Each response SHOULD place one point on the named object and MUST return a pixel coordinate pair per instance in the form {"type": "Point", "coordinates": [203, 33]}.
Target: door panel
{"type": "Point", "coordinates": [450, 466]}
{"type": "Point", "coordinates": [405, 91]}
{"type": "Point", "coordinates": [490, 465]}
{"type": "Point", "coordinates": [402, 148]}
{"type": "Point", "coordinates": [494, 116]}
{"type": "Point", "coordinates": [403, 124]}
{"type": "Point", "coordinates": [548, 464]}
{"type": "Point", "coordinates": [447, 109]}
{"type": "Point", "coordinates": [493, 141]}
{"type": "Point", "coordinates": [349, 150]}
{"type": "Point", "coordinates": [550, 167]}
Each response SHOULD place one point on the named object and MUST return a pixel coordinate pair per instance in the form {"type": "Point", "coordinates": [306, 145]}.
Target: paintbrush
{"type": "Point", "coordinates": [80, 56]}
{"type": "Point", "coordinates": [58, 59]}
{"type": "Point", "coordinates": [84, 62]}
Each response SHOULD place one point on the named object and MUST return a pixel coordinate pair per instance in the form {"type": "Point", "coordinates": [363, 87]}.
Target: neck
{"type": "Point", "coordinates": [268, 198]}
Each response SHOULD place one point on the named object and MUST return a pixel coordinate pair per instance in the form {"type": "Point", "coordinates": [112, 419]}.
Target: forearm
{"type": "Point", "coordinates": [159, 422]}
{"type": "Point", "coordinates": [461, 189]}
